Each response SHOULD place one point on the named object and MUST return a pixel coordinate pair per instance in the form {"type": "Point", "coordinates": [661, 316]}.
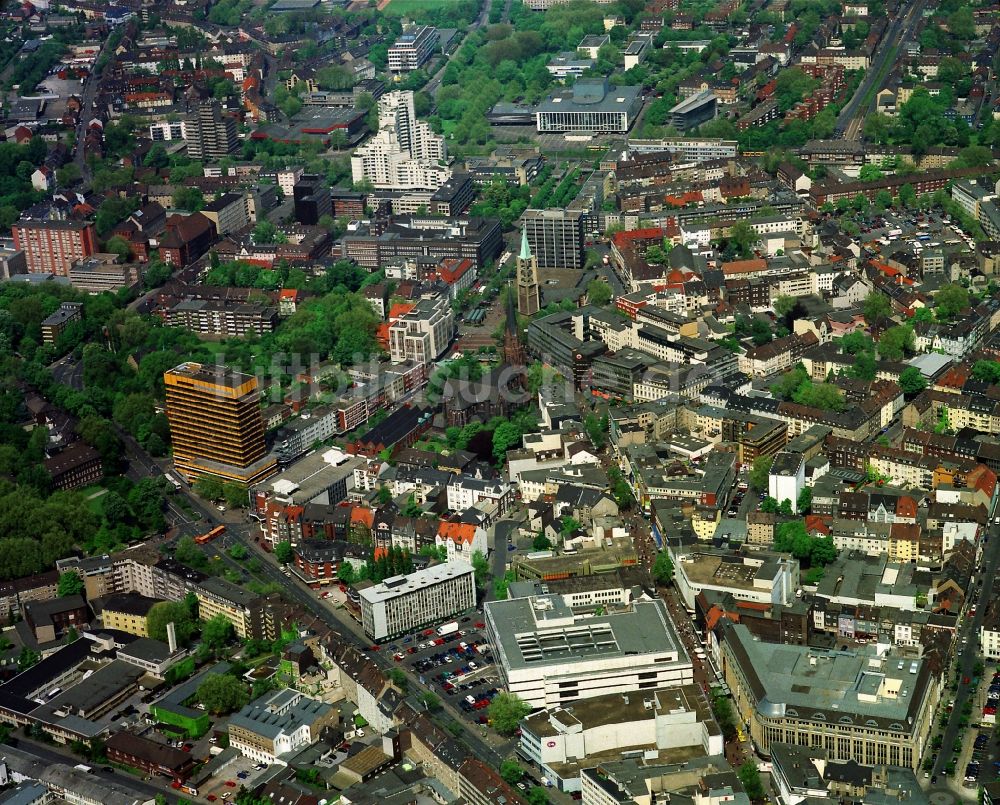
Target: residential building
{"type": "Point", "coordinates": [127, 612]}
{"type": "Point", "coordinates": [404, 154]}
{"type": "Point", "coordinates": [210, 135]}
{"type": "Point", "coordinates": [215, 424]}
{"type": "Point", "coordinates": [228, 213]}
{"type": "Point", "coordinates": [52, 247]}
{"type": "Point", "coordinates": [402, 604]}
{"type": "Point", "coordinates": [786, 479]}
{"type": "Point", "coordinates": [51, 620]}
{"type": "Point", "coordinates": [989, 632]}
{"type": "Point", "coordinates": [165, 131]}
{"type": "Point", "coordinates": [54, 325]}
{"type": "Point", "coordinates": [277, 725]}
{"type": "Point", "coordinates": [549, 655]}
{"type": "Point", "coordinates": [243, 609]}
{"type": "Point", "coordinates": [221, 317]}
{"type": "Point", "coordinates": [412, 49]}
{"type": "Point", "coordinates": [865, 705]}
{"type": "Point", "coordinates": [555, 237]}
{"type": "Point", "coordinates": [75, 466]}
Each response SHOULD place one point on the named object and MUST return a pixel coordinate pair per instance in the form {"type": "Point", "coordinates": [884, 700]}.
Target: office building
{"type": "Point", "coordinates": [215, 424]}
{"type": "Point", "coordinates": [424, 333]}
{"type": "Point", "coordinates": [787, 477]}
{"type": "Point", "coordinates": [549, 655]}
{"type": "Point", "coordinates": [51, 247]}
{"type": "Point", "coordinates": [412, 49]}
{"type": "Point", "coordinates": [528, 293]}
{"type": "Point", "coordinates": [589, 106]}
{"type": "Point", "coordinates": [75, 466]}
{"type": "Point", "coordinates": [403, 604]}
{"type": "Point", "coordinates": [103, 272]}
{"type": "Point", "coordinates": [312, 199]}
{"type": "Point", "coordinates": [63, 316]}
{"type": "Point", "coordinates": [866, 705]}
{"type": "Point", "coordinates": [404, 154]}
{"type": "Point", "coordinates": [275, 726]}
{"type": "Point", "coordinates": [209, 134]}
{"type": "Point", "coordinates": [384, 243]}
{"type": "Point", "coordinates": [667, 724]}
{"type": "Point", "coordinates": [555, 237]}
{"type": "Point", "coordinates": [692, 112]}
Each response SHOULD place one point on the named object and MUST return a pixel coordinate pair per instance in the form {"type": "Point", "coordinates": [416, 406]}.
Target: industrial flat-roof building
{"type": "Point", "coordinates": [863, 705]}
{"type": "Point", "coordinates": [692, 112]}
{"type": "Point", "coordinates": [590, 105]}
{"type": "Point", "coordinates": [412, 49]}
{"type": "Point", "coordinates": [404, 603]}
{"type": "Point", "coordinates": [549, 655]}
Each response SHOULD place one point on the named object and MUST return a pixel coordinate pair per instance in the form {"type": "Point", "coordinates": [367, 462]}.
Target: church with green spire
{"type": "Point", "coordinates": [528, 292]}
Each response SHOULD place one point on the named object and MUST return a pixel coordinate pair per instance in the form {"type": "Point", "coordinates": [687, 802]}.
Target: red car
{"type": "Point", "coordinates": [175, 784]}
{"type": "Point", "coordinates": [965, 680]}
{"type": "Point", "coordinates": [480, 625]}
{"type": "Point", "coordinates": [230, 784]}
{"type": "Point", "coordinates": [374, 648]}
{"type": "Point", "coordinates": [211, 797]}
{"type": "Point", "coordinates": [428, 632]}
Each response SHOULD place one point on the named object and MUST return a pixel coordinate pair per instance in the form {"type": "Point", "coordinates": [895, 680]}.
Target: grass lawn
{"type": "Point", "coordinates": [404, 7]}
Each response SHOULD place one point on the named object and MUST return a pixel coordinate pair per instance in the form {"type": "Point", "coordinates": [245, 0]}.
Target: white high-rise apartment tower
{"type": "Point", "coordinates": [404, 154]}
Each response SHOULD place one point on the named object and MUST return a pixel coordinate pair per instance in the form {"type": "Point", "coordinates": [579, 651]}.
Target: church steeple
{"type": "Point", "coordinates": [528, 293]}
{"type": "Point", "coordinates": [513, 349]}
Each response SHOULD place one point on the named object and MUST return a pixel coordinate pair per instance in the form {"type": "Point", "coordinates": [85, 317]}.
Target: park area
{"type": "Point", "coordinates": [406, 8]}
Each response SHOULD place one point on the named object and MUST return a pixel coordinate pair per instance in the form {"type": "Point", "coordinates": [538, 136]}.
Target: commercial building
{"type": "Point", "coordinates": [668, 724]}
{"type": "Point", "coordinates": [52, 247]}
{"type": "Point", "coordinates": [312, 200]}
{"type": "Point", "coordinates": [103, 272]}
{"type": "Point", "coordinates": [404, 154]}
{"type": "Point", "coordinates": [383, 243]}
{"type": "Point", "coordinates": [404, 603]}
{"type": "Point", "coordinates": [210, 135]}
{"type": "Point", "coordinates": [412, 49]}
{"type": "Point", "coordinates": [215, 424]}
{"type": "Point", "coordinates": [692, 112]}
{"type": "Point", "coordinates": [787, 478]}
{"type": "Point", "coordinates": [549, 655]}
{"type": "Point", "coordinates": [867, 705]}
{"type": "Point", "coordinates": [424, 333]}
{"type": "Point", "coordinates": [127, 612]}
{"type": "Point", "coordinates": [589, 106]}
{"type": "Point", "coordinates": [12, 263]}
{"type": "Point", "coordinates": [555, 237]}
{"type": "Point", "coordinates": [150, 756]}
{"type": "Point", "coordinates": [173, 708]}
{"type": "Point", "coordinates": [278, 724]}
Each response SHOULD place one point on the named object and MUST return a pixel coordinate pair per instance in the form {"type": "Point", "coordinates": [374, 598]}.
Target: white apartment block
{"type": "Point", "coordinates": [404, 154]}
{"type": "Point", "coordinates": [413, 49]}
{"type": "Point", "coordinates": [466, 492]}
{"type": "Point", "coordinates": [287, 178]}
{"type": "Point", "coordinates": [423, 334]}
{"type": "Point", "coordinates": [166, 131]}
{"type": "Point", "coordinates": [548, 655]}
{"type": "Point", "coordinates": [989, 633]}
{"type": "Point", "coordinates": [403, 604]}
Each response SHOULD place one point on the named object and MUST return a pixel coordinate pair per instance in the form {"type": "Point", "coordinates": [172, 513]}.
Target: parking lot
{"type": "Point", "coordinates": [223, 785]}
{"type": "Point", "coordinates": [457, 667]}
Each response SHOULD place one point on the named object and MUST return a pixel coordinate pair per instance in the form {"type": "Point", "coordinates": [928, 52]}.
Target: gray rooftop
{"type": "Point", "coordinates": [402, 585]}
{"type": "Point", "coordinates": [267, 715]}
{"type": "Point", "coordinates": [543, 630]}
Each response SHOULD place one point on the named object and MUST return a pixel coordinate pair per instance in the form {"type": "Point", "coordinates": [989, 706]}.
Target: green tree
{"type": "Point", "coordinates": [70, 583]}
{"type": "Point", "coordinates": [239, 552]}
{"type": "Point", "coordinates": [569, 526]}
{"type": "Point", "coordinates": [188, 198]}
{"type": "Point", "coordinates": [504, 438]}
{"type": "Point", "coordinates": [804, 502]}
{"type": "Point", "coordinates": [986, 371]}
{"type": "Point", "coordinates": [175, 612]}
{"type": "Point", "coordinates": [118, 245]}
{"type": "Point", "coordinates": [912, 381]}
{"type": "Point", "coordinates": [511, 771]}
{"type": "Point", "coordinates": [951, 300]}
{"type": "Point", "coordinates": [234, 494]}
{"type": "Point", "coordinates": [663, 568]}
{"type": "Point", "coordinates": [876, 307]}
{"type": "Point", "coordinates": [431, 703]}
{"type": "Point", "coordinates": [208, 487]}
{"type": "Point", "coordinates": [222, 694]}
{"type": "Point", "coordinates": [784, 305]}
{"type": "Point", "coordinates": [541, 542]}
{"type": "Point", "coordinates": [598, 292]}
{"type": "Point", "coordinates": [750, 777]}
{"type": "Point", "coordinates": [217, 632]}
{"type": "Point", "coordinates": [283, 552]}
{"type": "Point", "coordinates": [538, 795]}
{"type": "Point", "coordinates": [481, 568]}
{"type": "Point", "coordinates": [759, 470]}
{"type": "Point", "coordinates": [506, 712]}
{"type": "Point", "coordinates": [896, 342]}
{"type": "Point", "coordinates": [27, 658]}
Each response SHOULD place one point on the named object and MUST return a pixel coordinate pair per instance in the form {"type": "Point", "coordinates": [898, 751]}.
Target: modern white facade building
{"type": "Point", "coordinates": [423, 334]}
{"type": "Point", "coordinates": [404, 603]}
{"type": "Point", "coordinates": [404, 154]}
{"type": "Point", "coordinates": [165, 131]}
{"type": "Point", "coordinates": [549, 655]}
{"type": "Point", "coordinates": [413, 48]}
{"type": "Point", "coordinates": [989, 632]}
{"type": "Point", "coordinates": [278, 724]}
{"type": "Point", "coordinates": [787, 478]}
